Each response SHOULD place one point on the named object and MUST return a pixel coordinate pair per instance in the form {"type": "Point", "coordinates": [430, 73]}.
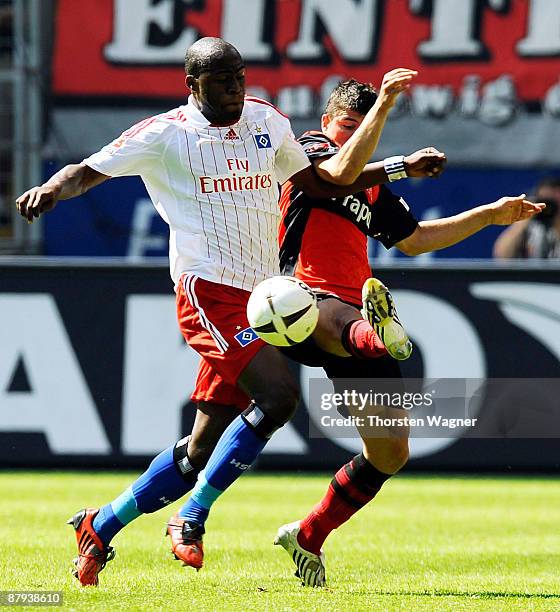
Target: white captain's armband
{"type": "Point", "coordinates": [394, 167]}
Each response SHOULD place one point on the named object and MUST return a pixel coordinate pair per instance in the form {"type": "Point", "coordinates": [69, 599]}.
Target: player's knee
{"type": "Point", "coordinates": [280, 402]}
{"type": "Point", "coordinates": [199, 453]}
{"type": "Point", "coordinates": [341, 319]}
{"type": "Point", "coordinates": [402, 453]}
{"type": "Point", "coordinates": [398, 456]}
{"type": "Point", "coordinates": [284, 402]}
{"type": "Point", "coordinates": [393, 456]}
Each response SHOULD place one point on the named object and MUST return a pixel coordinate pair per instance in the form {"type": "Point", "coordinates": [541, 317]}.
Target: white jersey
{"type": "Point", "coordinates": [216, 187]}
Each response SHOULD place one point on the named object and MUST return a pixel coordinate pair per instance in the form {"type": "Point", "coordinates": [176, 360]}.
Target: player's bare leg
{"type": "Point", "coordinates": [336, 331]}
{"type": "Point", "coordinates": [334, 316]}
{"type": "Point", "coordinates": [385, 448]}
{"type": "Point", "coordinates": [210, 423]}
{"type": "Point", "coordinates": [268, 381]}
{"type": "Point", "coordinates": [274, 395]}
{"type": "Point", "coordinates": [271, 385]}
{"type": "Point", "coordinates": [169, 476]}
{"type": "Point", "coordinates": [385, 452]}
{"type": "Point", "coordinates": [343, 330]}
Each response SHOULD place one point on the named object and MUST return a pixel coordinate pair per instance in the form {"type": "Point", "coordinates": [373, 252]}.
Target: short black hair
{"type": "Point", "coordinates": [351, 95]}
{"type": "Point", "coordinates": [205, 52]}
{"type": "Point", "coordinates": [552, 182]}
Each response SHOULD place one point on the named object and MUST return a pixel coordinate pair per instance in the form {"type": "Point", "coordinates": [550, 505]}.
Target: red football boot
{"type": "Point", "coordinates": [186, 541]}
{"type": "Point", "coordinates": [92, 553]}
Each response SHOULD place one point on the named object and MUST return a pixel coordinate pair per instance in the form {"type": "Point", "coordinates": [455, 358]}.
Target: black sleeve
{"type": "Point", "coordinates": [316, 145]}
{"type": "Point", "coordinates": [392, 220]}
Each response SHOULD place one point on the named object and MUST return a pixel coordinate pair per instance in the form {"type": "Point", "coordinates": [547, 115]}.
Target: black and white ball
{"type": "Point", "coordinates": [282, 310]}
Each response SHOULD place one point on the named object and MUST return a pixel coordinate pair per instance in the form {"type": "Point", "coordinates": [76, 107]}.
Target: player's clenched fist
{"type": "Point", "coordinates": [37, 200]}
{"type": "Point", "coordinates": [508, 210]}
{"type": "Point", "coordinates": [395, 82]}
{"type": "Point", "coordinates": [425, 162]}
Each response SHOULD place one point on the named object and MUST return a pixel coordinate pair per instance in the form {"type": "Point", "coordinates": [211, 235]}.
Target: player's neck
{"type": "Point", "coordinates": [214, 118]}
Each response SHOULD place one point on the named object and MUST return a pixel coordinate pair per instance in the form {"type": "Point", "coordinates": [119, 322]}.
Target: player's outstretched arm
{"type": "Point", "coordinates": [345, 166]}
{"type": "Point", "coordinates": [73, 180]}
{"type": "Point", "coordinates": [428, 162]}
{"type": "Point", "coordinates": [425, 163]}
{"type": "Point", "coordinates": [442, 233]}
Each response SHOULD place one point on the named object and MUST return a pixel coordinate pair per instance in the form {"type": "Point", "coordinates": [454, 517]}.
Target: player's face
{"type": "Point", "coordinates": [219, 92]}
{"type": "Point", "coordinates": [341, 126]}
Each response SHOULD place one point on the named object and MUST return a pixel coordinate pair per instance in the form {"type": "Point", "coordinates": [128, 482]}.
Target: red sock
{"type": "Point", "coordinates": [352, 487]}
{"type": "Point", "coordinates": [360, 340]}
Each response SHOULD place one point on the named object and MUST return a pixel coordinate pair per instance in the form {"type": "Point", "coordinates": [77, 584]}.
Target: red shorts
{"type": "Point", "coordinates": [213, 320]}
{"type": "Point", "coordinates": [211, 387]}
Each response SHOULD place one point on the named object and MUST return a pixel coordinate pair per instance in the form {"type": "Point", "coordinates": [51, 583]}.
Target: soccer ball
{"type": "Point", "coordinates": [282, 310]}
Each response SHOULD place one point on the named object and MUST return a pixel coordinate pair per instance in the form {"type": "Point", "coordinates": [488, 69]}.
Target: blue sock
{"type": "Point", "coordinates": [106, 524]}
{"type": "Point", "coordinates": [161, 484]}
{"type": "Point", "coordinates": [236, 450]}
{"type": "Point", "coordinates": [194, 512]}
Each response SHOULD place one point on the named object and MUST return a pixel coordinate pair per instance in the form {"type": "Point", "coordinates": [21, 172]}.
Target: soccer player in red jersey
{"type": "Point", "coordinates": [311, 248]}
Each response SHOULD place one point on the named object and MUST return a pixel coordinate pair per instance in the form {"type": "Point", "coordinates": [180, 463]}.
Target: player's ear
{"type": "Point", "coordinates": [191, 82]}
{"type": "Point", "coordinates": [325, 120]}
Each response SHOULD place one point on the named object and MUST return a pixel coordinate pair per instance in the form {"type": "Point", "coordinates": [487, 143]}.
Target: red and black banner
{"type": "Point", "coordinates": [488, 89]}
{"type": "Point", "coordinates": [136, 47]}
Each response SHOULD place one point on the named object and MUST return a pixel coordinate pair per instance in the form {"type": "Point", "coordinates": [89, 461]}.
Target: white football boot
{"type": "Point", "coordinates": [310, 567]}
{"type": "Point", "coordinates": [379, 309]}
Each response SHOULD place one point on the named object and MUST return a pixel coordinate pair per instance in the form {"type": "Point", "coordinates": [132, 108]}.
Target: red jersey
{"type": "Point", "coordinates": [324, 242]}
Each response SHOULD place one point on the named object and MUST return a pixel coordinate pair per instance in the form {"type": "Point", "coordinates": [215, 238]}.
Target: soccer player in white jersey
{"type": "Point", "coordinates": [212, 169]}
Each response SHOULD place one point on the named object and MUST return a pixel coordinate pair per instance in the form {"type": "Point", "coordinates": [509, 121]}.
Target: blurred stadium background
{"type": "Point", "coordinates": [92, 369]}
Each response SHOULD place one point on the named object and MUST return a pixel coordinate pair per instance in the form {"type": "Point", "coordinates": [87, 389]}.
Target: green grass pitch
{"type": "Point", "coordinates": [426, 543]}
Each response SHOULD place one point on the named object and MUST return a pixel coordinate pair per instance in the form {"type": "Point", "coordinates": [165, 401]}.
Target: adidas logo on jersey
{"type": "Point", "coordinates": [231, 135]}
